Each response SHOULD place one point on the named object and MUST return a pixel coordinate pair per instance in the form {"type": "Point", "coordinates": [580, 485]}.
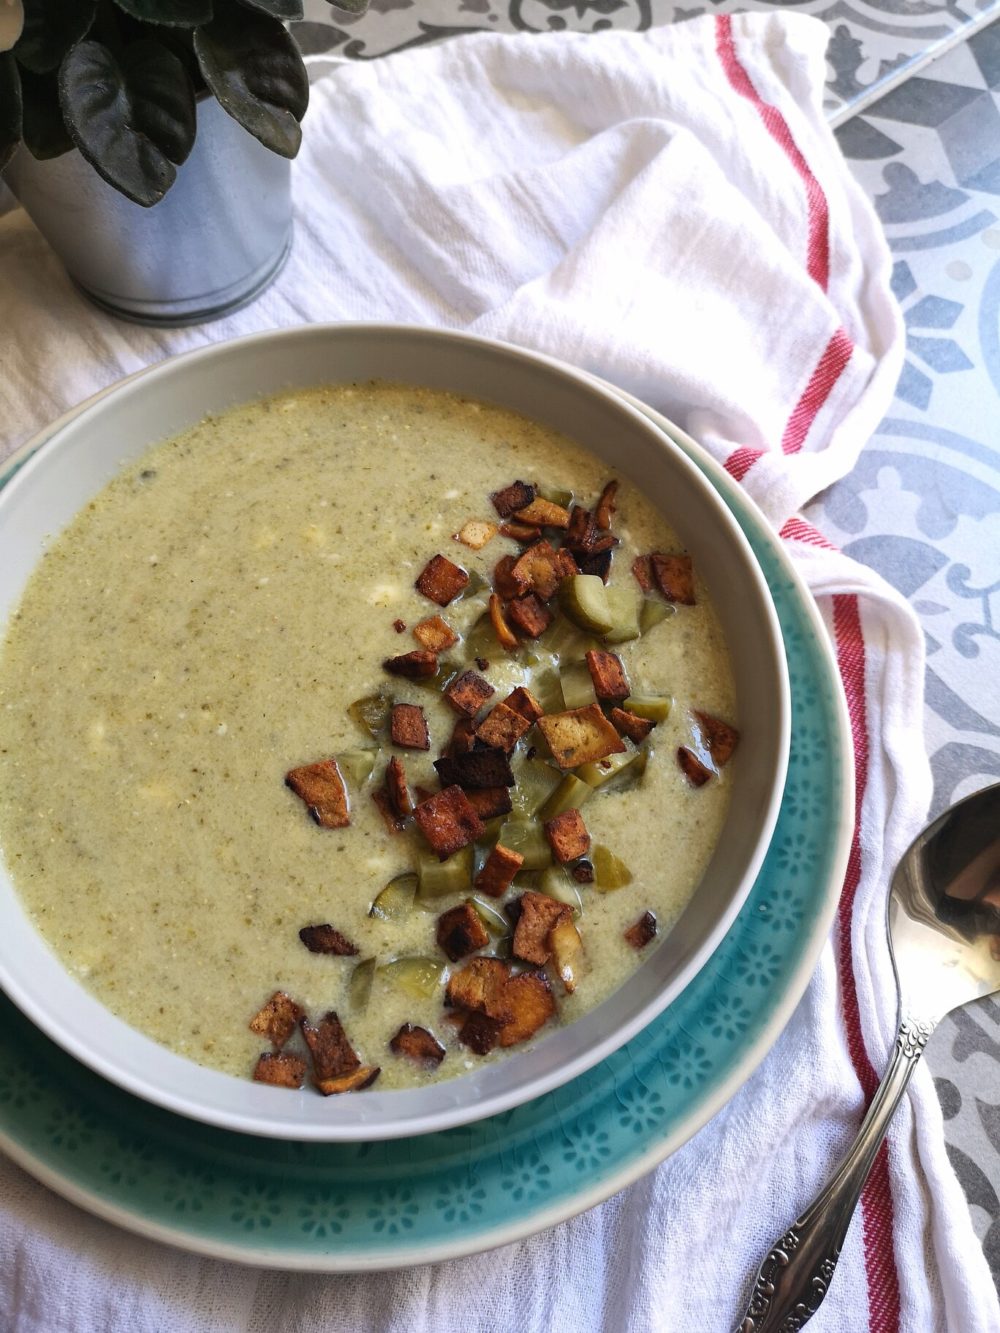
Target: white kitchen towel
{"type": "Point", "coordinates": [669, 210]}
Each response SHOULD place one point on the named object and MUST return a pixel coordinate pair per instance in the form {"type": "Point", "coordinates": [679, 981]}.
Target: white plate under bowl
{"type": "Point", "coordinates": [83, 454]}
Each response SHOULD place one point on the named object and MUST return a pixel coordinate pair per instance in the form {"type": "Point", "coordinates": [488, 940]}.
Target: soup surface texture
{"type": "Point", "coordinates": [201, 627]}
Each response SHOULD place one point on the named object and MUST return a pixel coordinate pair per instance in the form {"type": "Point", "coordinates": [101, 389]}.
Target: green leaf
{"type": "Point", "coordinates": [279, 9]}
{"type": "Point", "coordinates": [51, 27]}
{"type": "Point", "coordinates": [132, 120]}
{"type": "Point", "coordinates": [10, 108]}
{"type": "Point", "coordinates": [255, 70]}
{"type": "Point", "coordinates": [172, 13]}
{"type": "Point", "coordinates": [44, 130]}
{"type": "Point", "coordinates": [352, 6]}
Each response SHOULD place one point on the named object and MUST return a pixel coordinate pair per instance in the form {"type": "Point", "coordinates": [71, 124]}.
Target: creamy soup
{"type": "Point", "coordinates": [202, 627]}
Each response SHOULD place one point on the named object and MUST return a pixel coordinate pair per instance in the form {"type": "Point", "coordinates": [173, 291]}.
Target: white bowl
{"type": "Point", "coordinates": [87, 450]}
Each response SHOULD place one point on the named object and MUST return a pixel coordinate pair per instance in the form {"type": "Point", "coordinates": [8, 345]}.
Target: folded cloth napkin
{"type": "Point", "coordinates": [670, 211]}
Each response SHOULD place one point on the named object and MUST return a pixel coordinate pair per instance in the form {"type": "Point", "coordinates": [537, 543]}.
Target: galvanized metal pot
{"type": "Point", "coordinates": [214, 242]}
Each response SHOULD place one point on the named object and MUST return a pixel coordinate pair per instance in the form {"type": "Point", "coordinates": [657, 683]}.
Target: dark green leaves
{"type": "Point", "coordinates": [253, 67]}
{"type": "Point", "coordinates": [51, 27]}
{"type": "Point", "coordinates": [173, 13]}
{"type": "Point", "coordinates": [279, 9]}
{"type": "Point", "coordinates": [132, 119]}
{"type": "Point", "coordinates": [44, 130]}
{"type": "Point", "coordinates": [10, 108]}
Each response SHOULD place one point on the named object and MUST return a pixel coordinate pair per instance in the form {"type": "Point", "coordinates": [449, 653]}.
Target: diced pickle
{"type": "Point", "coordinates": [569, 795]}
{"type": "Point", "coordinates": [656, 707]}
{"type": "Point", "coordinates": [609, 872]}
{"type": "Point", "coordinates": [555, 496]}
{"type": "Point", "coordinates": [623, 603]}
{"type": "Point", "coordinates": [565, 640]}
{"type": "Point", "coordinates": [577, 685]}
{"type": "Point", "coordinates": [357, 765]}
{"type": "Point", "coordinates": [545, 687]}
{"type": "Point", "coordinates": [556, 883]}
{"type": "Point", "coordinates": [359, 988]}
{"type": "Point", "coordinates": [371, 713]}
{"type": "Point", "coordinates": [599, 772]}
{"type": "Point", "coordinates": [584, 599]}
{"type": "Point", "coordinates": [436, 878]}
{"type": "Point", "coordinates": [654, 611]}
{"type": "Point", "coordinates": [493, 919]}
{"type": "Point", "coordinates": [527, 837]}
{"type": "Point", "coordinates": [480, 641]}
{"type": "Point", "coordinates": [498, 948]}
{"type": "Point", "coordinates": [476, 584]}
{"type": "Point", "coordinates": [536, 780]}
{"type": "Point", "coordinates": [396, 899]}
{"type": "Point", "coordinates": [418, 977]}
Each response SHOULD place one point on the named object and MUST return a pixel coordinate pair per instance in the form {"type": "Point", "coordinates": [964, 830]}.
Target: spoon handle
{"type": "Point", "coordinates": [795, 1277]}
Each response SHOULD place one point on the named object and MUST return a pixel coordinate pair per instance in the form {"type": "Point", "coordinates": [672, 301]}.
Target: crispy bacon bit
{"type": "Point", "coordinates": [642, 931]}
{"type": "Point", "coordinates": [327, 939]}
{"type": "Point", "coordinates": [497, 875]}
{"type": "Point", "coordinates": [580, 736]}
{"type": "Point", "coordinates": [543, 514]}
{"type": "Point", "coordinates": [530, 616]}
{"type": "Point", "coordinates": [435, 634]}
{"type": "Point", "coordinates": [394, 821]}
{"type": "Point", "coordinates": [408, 727]}
{"type": "Point", "coordinates": [277, 1019]}
{"type": "Point", "coordinates": [568, 836]}
{"type": "Point", "coordinates": [475, 533]}
{"type": "Point", "coordinates": [322, 788]}
{"type": "Point", "coordinates": [461, 932]}
{"type": "Point", "coordinates": [480, 985]}
{"type": "Point", "coordinates": [674, 575]}
{"type": "Point", "coordinates": [505, 635]}
{"type": "Point", "coordinates": [533, 1004]}
{"type": "Point", "coordinates": [502, 728]}
{"type": "Point", "coordinates": [539, 570]}
{"type": "Point", "coordinates": [519, 532]}
{"type": "Point", "coordinates": [512, 497]}
{"type": "Point", "coordinates": [448, 821]}
{"type": "Point", "coordinates": [583, 872]}
{"type": "Point", "coordinates": [642, 568]}
{"type": "Point", "coordinates": [468, 692]}
{"type": "Point", "coordinates": [416, 665]}
{"type": "Point", "coordinates": [608, 675]}
{"type": "Point", "coordinates": [539, 914]}
{"type": "Point", "coordinates": [567, 948]}
{"type": "Point", "coordinates": [332, 1053]}
{"type": "Point", "coordinates": [524, 702]}
{"type": "Point", "coordinates": [362, 1077]}
{"type": "Point", "coordinates": [441, 581]}
{"type": "Point", "coordinates": [504, 582]}
{"type": "Point", "coordinates": [599, 564]}
{"type": "Point", "coordinates": [478, 768]}
{"type": "Point", "coordinates": [480, 1033]}
{"type": "Point", "coordinates": [395, 785]}
{"type": "Point", "coordinates": [463, 738]}
{"type": "Point", "coordinates": [604, 512]}
{"type": "Point", "coordinates": [417, 1044]}
{"type": "Point", "coordinates": [720, 738]}
{"type": "Point", "coordinates": [692, 767]}
{"type": "Point", "coordinates": [584, 536]}
{"type": "Point", "coordinates": [399, 626]}
{"type": "Point", "coordinates": [281, 1069]}
{"type": "Point", "coordinates": [633, 726]}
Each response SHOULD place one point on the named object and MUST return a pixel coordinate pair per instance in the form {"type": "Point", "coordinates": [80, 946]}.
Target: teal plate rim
{"type": "Point", "coordinates": [393, 1203]}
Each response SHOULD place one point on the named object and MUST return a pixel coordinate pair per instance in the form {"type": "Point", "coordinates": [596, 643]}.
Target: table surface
{"type": "Point", "coordinates": [914, 94]}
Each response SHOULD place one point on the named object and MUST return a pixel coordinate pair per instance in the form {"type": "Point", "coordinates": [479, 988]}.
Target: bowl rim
{"type": "Point", "coordinates": [31, 456]}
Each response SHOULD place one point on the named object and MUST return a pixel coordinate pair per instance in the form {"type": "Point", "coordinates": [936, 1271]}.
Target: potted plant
{"type": "Point", "coordinates": [149, 141]}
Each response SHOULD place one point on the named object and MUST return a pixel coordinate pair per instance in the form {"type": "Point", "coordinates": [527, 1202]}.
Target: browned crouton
{"type": "Point", "coordinates": [489, 802]}
{"type": "Point", "coordinates": [441, 581]}
{"type": "Point", "coordinates": [475, 533]}
{"type": "Point", "coordinates": [599, 564]}
{"type": "Point", "coordinates": [460, 931]}
{"type": "Point", "coordinates": [479, 1032]}
{"type": "Point", "coordinates": [408, 727]}
{"type": "Point", "coordinates": [580, 736]}
{"type": "Point", "coordinates": [448, 821]}
{"type": "Point", "coordinates": [720, 738]}
{"type": "Point", "coordinates": [583, 872]}
{"type": "Point", "coordinates": [281, 1069]}
{"type": "Point", "coordinates": [277, 1019]}
{"type": "Point", "coordinates": [642, 568]}
{"type": "Point", "coordinates": [567, 951]}
{"type": "Point", "coordinates": [362, 1077]}
{"type": "Point", "coordinates": [608, 675]}
{"type": "Point", "coordinates": [505, 585]}
{"type": "Point", "coordinates": [395, 785]}
{"type": "Point", "coordinates": [674, 576]}
{"type": "Point", "coordinates": [529, 615]}
{"type": "Point", "coordinates": [512, 497]}
{"type": "Point", "coordinates": [568, 836]}
{"type": "Point", "coordinates": [502, 728]}
{"type": "Point", "coordinates": [539, 914]}
{"type": "Point", "coordinates": [463, 737]}
{"type": "Point", "coordinates": [415, 666]}
{"type": "Point", "coordinates": [692, 767]}
{"type": "Point", "coordinates": [435, 634]}
{"type": "Point", "coordinates": [478, 768]}
{"type": "Point", "coordinates": [322, 788]}
{"type": "Point", "coordinates": [633, 726]}
{"type": "Point", "coordinates": [332, 1053]}
{"type": "Point", "coordinates": [326, 939]}
{"type": "Point", "coordinates": [583, 536]}
{"type": "Point", "coordinates": [505, 635]}
{"type": "Point", "coordinates": [539, 570]}
{"type": "Point", "coordinates": [468, 692]}
{"type": "Point", "coordinates": [543, 514]}
{"type": "Point", "coordinates": [417, 1044]}
{"type": "Point", "coordinates": [497, 875]}
{"type": "Point", "coordinates": [604, 512]}
{"type": "Point", "coordinates": [566, 563]}
{"type": "Point", "coordinates": [524, 702]}
{"type": "Point", "coordinates": [383, 798]}
{"type": "Point", "coordinates": [399, 625]}
{"type": "Point", "coordinates": [532, 1005]}
{"type": "Point", "coordinates": [479, 985]}
{"type": "Point", "coordinates": [642, 931]}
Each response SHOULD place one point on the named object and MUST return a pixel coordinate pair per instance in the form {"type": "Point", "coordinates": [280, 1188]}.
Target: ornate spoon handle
{"type": "Point", "coordinates": [795, 1276]}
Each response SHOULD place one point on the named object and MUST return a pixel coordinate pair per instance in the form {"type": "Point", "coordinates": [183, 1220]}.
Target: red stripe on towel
{"type": "Point", "coordinates": [740, 461]}
{"type": "Point", "coordinates": [829, 369]}
{"type": "Point", "coordinates": [798, 530]}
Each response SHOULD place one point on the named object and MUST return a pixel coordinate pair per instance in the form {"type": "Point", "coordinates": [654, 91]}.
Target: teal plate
{"type": "Point", "coordinates": [344, 1207]}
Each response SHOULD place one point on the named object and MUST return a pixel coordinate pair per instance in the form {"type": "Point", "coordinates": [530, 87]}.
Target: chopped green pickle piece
{"type": "Point", "coordinates": [498, 948]}
{"type": "Point", "coordinates": [556, 883]}
{"type": "Point", "coordinates": [371, 713]}
{"type": "Point", "coordinates": [623, 603]}
{"type": "Point", "coordinates": [577, 685]}
{"type": "Point", "coordinates": [436, 878]}
{"type": "Point", "coordinates": [535, 782]}
{"type": "Point", "coordinates": [653, 612]}
{"type": "Point", "coordinates": [545, 688]}
{"type": "Point", "coordinates": [359, 988]}
{"type": "Point", "coordinates": [476, 584]}
{"type": "Point", "coordinates": [491, 917]}
{"type": "Point", "coordinates": [527, 837]}
{"type": "Point", "coordinates": [396, 899]}
{"type": "Point", "coordinates": [609, 872]}
{"type": "Point", "coordinates": [599, 772]}
{"type": "Point", "coordinates": [569, 795]}
{"type": "Point", "coordinates": [654, 706]}
{"type": "Point", "coordinates": [481, 640]}
{"type": "Point", "coordinates": [357, 765]}
{"type": "Point", "coordinates": [555, 496]}
{"type": "Point", "coordinates": [418, 977]}
{"type": "Point", "coordinates": [584, 599]}
{"type": "Point", "coordinates": [565, 640]}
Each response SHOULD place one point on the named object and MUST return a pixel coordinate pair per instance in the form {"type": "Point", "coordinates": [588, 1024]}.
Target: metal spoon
{"type": "Point", "coordinates": [944, 936]}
